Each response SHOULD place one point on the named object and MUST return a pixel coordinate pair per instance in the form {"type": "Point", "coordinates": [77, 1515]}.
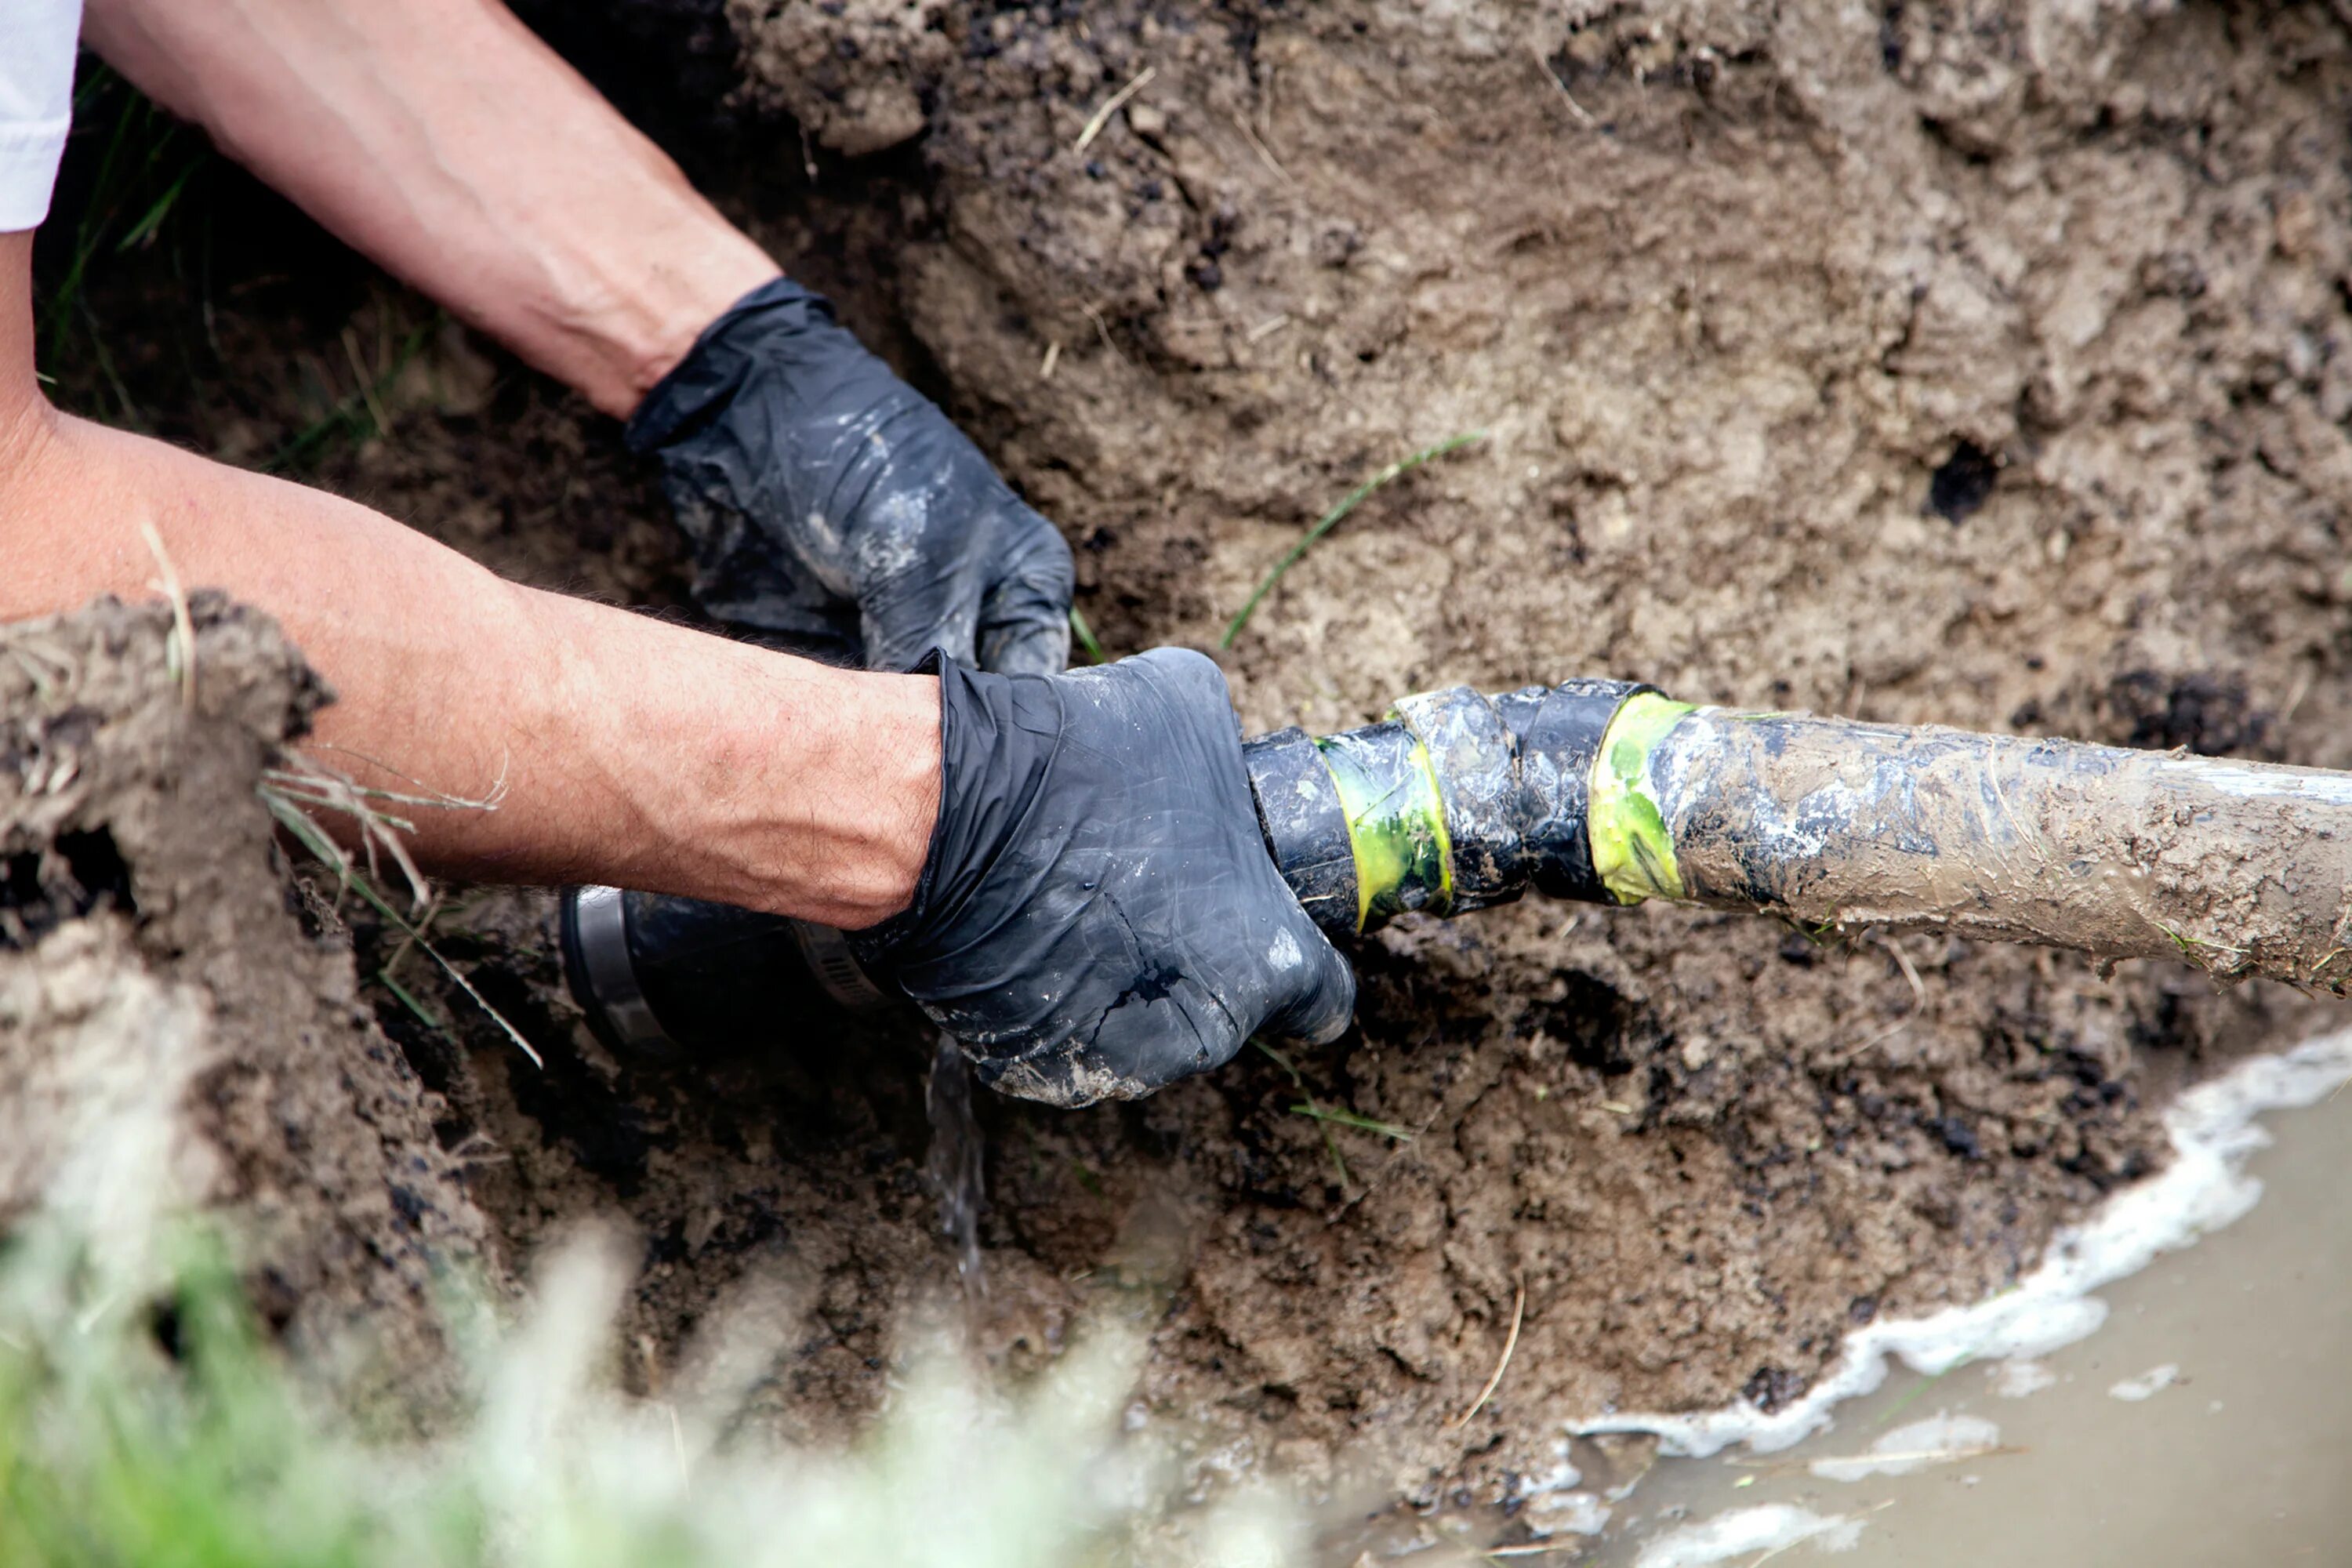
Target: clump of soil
{"type": "Point", "coordinates": [1985, 363]}
{"type": "Point", "coordinates": [172, 1035]}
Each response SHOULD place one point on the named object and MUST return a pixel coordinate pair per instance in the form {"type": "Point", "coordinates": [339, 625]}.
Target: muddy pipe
{"type": "Point", "coordinates": [1612, 792]}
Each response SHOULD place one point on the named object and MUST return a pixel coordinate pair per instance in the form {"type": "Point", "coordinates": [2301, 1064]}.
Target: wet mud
{"type": "Point", "coordinates": [1984, 365]}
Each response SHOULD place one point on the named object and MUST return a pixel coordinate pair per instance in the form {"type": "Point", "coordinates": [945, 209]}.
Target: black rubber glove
{"type": "Point", "coordinates": [835, 508]}
{"type": "Point", "coordinates": [1099, 914]}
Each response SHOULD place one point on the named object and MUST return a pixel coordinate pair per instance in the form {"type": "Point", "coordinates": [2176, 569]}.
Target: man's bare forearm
{"type": "Point", "coordinates": [445, 141]}
{"type": "Point", "coordinates": [625, 749]}
{"type": "Point", "coordinates": [621, 749]}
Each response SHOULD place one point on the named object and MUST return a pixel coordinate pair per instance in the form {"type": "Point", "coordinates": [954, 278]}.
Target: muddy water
{"type": "Point", "coordinates": [2205, 1422]}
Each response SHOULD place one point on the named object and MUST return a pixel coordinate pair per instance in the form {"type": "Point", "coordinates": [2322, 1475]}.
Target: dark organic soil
{"type": "Point", "coordinates": [1986, 363]}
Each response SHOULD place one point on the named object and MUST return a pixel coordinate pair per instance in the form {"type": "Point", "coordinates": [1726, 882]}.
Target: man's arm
{"type": "Point", "coordinates": [1080, 888]}
{"type": "Point", "coordinates": [443, 138]}
{"type": "Point", "coordinates": [630, 752]}
{"type": "Point", "coordinates": [830, 506]}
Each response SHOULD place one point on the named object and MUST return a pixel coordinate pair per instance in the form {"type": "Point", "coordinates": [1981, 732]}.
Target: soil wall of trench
{"type": "Point", "coordinates": [1985, 363]}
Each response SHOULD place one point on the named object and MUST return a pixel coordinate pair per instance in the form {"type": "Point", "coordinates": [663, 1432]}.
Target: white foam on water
{"type": "Point", "coordinates": [2204, 1187]}
{"type": "Point", "coordinates": [2148, 1384]}
{"type": "Point", "coordinates": [1770, 1527]}
{"type": "Point", "coordinates": [2019, 1376]}
{"type": "Point", "coordinates": [1942, 1439]}
{"type": "Point", "coordinates": [1568, 1513]}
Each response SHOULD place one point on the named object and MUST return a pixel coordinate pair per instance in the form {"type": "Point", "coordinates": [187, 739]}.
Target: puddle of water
{"type": "Point", "coordinates": [952, 1161]}
{"type": "Point", "coordinates": [2204, 1422]}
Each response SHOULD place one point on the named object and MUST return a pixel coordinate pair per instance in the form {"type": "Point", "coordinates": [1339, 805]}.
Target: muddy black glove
{"type": "Point", "coordinates": [1099, 914]}
{"type": "Point", "coordinates": [836, 508]}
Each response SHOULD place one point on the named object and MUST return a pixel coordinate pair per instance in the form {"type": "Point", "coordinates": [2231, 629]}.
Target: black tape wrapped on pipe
{"type": "Point", "coordinates": [1558, 730]}
{"type": "Point", "coordinates": [1456, 802]}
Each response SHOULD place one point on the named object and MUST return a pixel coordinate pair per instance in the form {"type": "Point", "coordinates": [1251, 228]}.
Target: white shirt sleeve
{"type": "Point", "coordinates": [36, 67]}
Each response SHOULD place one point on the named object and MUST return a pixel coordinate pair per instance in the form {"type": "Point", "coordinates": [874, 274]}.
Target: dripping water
{"type": "Point", "coordinates": [953, 1161]}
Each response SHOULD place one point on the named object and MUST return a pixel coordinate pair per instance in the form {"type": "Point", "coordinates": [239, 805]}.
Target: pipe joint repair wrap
{"type": "Point", "coordinates": [1458, 802]}
{"type": "Point", "coordinates": [1557, 733]}
{"type": "Point", "coordinates": [1474, 760]}
{"type": "Point", "coordinates": [1395, 820]}
{"type": "Point", "coordinates": [1632, 847]}
{"type": "Point", "coordinates": [1355, 823]}
{"type": "Point", "coordinates": [1306, 826]}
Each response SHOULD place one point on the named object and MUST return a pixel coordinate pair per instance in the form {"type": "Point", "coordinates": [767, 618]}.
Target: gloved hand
{"type": "Point", "coordinates": [834, 507]}
{"type": "Point", "coordinates": [1098, 915]}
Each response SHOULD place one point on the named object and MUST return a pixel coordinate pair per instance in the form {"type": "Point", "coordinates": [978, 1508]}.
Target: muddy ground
{"type": "Point", "coordinates": [1986, 363]}
{"type": "Point", "coordinates": [177, 1029]}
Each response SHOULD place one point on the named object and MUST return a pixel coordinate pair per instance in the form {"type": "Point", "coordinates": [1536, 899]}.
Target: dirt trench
{"type": "Point", "coordinates": [1986, 363]}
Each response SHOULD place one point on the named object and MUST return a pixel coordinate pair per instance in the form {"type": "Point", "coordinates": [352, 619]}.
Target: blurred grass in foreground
{"type": "Point", "coordinates": [144, 1427]}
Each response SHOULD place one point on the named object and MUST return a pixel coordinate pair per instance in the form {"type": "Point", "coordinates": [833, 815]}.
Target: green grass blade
{"type": "Point", "coordinates": [409, 1001]}
{"type": "Point", "coordinates": [1298, 1080]}
{"type": "Point", "coordinates": [351, 414]}
{"type": "Point", "coordinates": [1331, 519]}
{"type": "Point", "coordinates": [132, 418]}
{"type": "Point", "coordinates": [1349, 1119]}
{"type": "Point", "coordinates": [1085, 636]}
{"type": "Point", "coordinates": [151, 220]}
{"type": "Point", "coordinates": [1916, 1389]}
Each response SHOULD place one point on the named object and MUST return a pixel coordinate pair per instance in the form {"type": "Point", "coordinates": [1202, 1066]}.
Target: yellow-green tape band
{"type": "Point", "coordinates": [1440, 839]}
{"type": "Point", "coordinates": [1632, 852]}
{"type": "Point", "coordinates": [1396, 828]}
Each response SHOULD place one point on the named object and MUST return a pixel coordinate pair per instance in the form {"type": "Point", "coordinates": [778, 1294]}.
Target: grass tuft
{"type": "Point", "coordinates": [142, 172]}
{"type": "Point", "coordinates": [358, 414]}
{"type": "Point", "coordinates": [296, 793]}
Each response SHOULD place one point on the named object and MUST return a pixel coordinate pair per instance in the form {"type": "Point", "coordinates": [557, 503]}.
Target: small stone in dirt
{"type": "Point", "coordinates": [1774, 1386]}
{"type": "Point", "coordinates": [1958, 1136]}
{"type": "Point", "coordinates": [1962, 486]}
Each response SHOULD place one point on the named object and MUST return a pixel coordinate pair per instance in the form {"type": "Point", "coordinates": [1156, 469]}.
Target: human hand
{"type": "Point", "coordinates": [1098, 915]}
{"type": "Point", "coordinates": [831, 504]}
